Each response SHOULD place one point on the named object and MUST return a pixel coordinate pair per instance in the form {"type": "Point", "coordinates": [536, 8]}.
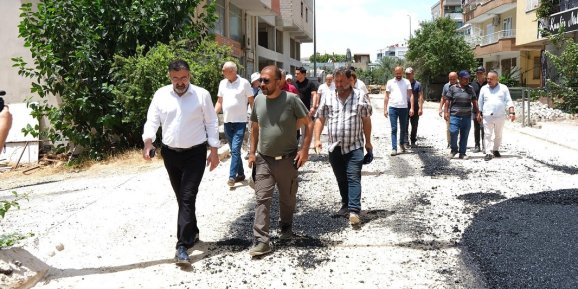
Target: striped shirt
{"type": "Point", "coordinates": [461, 99]}
{"type": "Point", "coordinates": [343, 119]}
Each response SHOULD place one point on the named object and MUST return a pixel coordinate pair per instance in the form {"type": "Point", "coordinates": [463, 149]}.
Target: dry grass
{"type": "Point", "coordinates": [130, 161]}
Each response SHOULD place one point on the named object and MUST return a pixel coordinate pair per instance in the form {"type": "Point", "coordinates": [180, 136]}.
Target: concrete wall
{"type": "Point", "coordinates": [526, 20]}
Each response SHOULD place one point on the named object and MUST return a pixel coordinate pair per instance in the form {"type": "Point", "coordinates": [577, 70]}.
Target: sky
{"type": "Point", "coordinates": [365, 26]}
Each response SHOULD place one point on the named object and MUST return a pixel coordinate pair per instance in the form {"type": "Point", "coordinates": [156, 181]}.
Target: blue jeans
{"type": "Point", "coordinates": [347, 171]}
{"type": "Point", "coordinates": [235, 131]}
{"type": "Point", "coordinates": [401, 114]}
{"type": "Point", "coordinates": [461, 125]}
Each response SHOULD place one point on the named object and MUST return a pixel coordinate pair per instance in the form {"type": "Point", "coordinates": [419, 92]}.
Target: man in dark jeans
{"type": "Point", "coordinates": [348, 114]}
{"type": "Point", "coordinates": [477, 85]}
{"type": "Point", "coordinates": [189, 122]}
{"type": "Point", "coordinates": [418, 105]}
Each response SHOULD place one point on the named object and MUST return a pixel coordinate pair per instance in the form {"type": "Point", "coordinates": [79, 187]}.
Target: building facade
{"type": "Point", "coordinates": [492, 31]}
{"type": "Point", "coordinates": [449, 8]}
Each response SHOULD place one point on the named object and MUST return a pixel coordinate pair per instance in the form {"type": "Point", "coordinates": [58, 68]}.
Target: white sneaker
{"type": "Point", "coordinates": [354, 219]}
{"type": "Point", "coordinates": [393, 152]}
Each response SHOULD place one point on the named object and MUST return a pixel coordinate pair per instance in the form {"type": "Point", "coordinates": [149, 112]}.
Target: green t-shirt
{"type": "Point", "coordinates": [277, 119]}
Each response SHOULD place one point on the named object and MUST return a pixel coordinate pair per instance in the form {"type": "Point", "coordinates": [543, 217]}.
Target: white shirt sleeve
{"type": "Point", "coordinates": [507, 97]}
{"type": "Point", "coordinates": [153, 121]}
{"type": "Point", "coordinates": [210, 120]}
{"type": "Point", "coordinates": [481, 99]}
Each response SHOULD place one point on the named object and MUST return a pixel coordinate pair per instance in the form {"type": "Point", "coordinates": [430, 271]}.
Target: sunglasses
{"type": "Point", "coordinates": [264, 80]}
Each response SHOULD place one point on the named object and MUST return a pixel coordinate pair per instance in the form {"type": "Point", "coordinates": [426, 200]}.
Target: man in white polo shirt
{"type": "Point", "coordinates": [398, 94]}
{"type": "Point", "coordinates": [494, 99]}
{"type": "Point", "coordinates": [234, 94]}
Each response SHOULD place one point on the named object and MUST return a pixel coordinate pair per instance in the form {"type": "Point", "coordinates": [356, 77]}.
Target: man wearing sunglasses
{"type": "Point", "coordinates": [275, 156]}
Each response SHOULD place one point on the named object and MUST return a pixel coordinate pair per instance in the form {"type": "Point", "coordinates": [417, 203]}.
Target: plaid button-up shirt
{"type": "Point", "coordinates": [343, 119]}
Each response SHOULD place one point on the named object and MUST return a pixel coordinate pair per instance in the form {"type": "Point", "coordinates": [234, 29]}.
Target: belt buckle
{"type": "Point", "coordinates": [278, 158]}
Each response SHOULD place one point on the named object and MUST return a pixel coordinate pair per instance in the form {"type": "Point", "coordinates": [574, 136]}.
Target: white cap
{"type": "Point", "coordinates": [255, 76]}
{"type": "Point", "coordinates": [289, 76]}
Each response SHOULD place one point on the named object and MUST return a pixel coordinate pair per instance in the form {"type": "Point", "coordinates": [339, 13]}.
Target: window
{"type": "Point", "coordinates": [507, 27]}
{"type": "Point", "coordinates": [301, 9]}
{"type": "Point", "coordinates": [507, 65]}
{"type": "Point", "coordinates": [536, 69]}
{"type": "Point", "coordinates": [279, 41]}
{"type": "Point", "coordinates": [235, 23]}
{"type": "Point", "coordinates": [220, 23]}
{"type": "Point", "coordinates": [532, 4]}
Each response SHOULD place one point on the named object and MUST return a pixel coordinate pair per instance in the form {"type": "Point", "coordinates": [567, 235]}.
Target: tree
{"type": "Point", "coordinates": [564, 90]}
{"type": "Point", "coordinates": [323, 58]}
{"type": "Point", "coordinates": [437, 48]}
{"type": "Point", "coordinates": [73, 45]}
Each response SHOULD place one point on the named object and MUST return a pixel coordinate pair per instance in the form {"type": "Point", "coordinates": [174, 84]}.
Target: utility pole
{"type": "Point", "coordinates": [314, 40]}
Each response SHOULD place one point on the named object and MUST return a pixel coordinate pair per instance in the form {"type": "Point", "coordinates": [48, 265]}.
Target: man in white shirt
{"type": "Point", "coordinates": [398, 94]}
{"type": "Point", "coordinates": [189, 122]}
{"type": "Point", "coordinates": [326, 88]}
{"type": "Point", "coordinates": [234, 95]}
{"type": "Point", "coordinates": [357, 83]}
{"type": "Point", "coordinates": [494, 99]}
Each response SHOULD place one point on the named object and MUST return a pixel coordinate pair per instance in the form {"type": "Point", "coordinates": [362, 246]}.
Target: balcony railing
{"type": "Point", "coordinates": [491, 38]}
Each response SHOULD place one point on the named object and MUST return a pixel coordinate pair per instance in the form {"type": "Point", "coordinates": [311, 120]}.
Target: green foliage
{"type": "Point", "coordinates": [511, 77]}
{"type": "Point", "coordinates": [139, 76]}
{"type": "Point", "coordinates": [437, 48]}
{"type": "Point", "coordinates": [6, 205]}
{"type": "Point", "coordinates": [73, 44]}
{"type": "Point", "coordinates": [383, 72]}
{"type": "Point", "coordinates": [546, 8]}
{"type": "Point", "coordinates": [323, 58]}
{"type": "Point", "coordinates": [7, 240]}
{"type": "Point", "coordinates": [564, 88]}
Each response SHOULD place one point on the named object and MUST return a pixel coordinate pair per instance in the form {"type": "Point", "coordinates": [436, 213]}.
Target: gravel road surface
{"type": "Point", "coordinates": [428, 222]}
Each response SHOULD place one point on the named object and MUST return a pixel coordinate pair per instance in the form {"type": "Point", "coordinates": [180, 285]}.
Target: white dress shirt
{"type": "Point", "coordinates": [325, 90]}
{"type": "Point", "coordinates": [186, 120]}
{"type": "Point", "coordinates": [494, 101]}
{"type": "Point", "coordinates": [397, 89]}
{"type": "Point", "coordinates": [361, 86]}
{"type": "Point", "coordinates": [235, 99]}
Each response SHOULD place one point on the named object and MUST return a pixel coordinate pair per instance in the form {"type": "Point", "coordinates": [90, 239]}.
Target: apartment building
{"type": "Point", "coordinates": [449, 8]}
{"type": "Point", "coordinates": [260, 33]}
{"type": "Point", "coordinates": [492, 27]}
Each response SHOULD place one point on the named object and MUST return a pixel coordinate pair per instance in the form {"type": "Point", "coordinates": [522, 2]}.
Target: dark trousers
{"type": "Point", "coordinates": [413, 120]}
{"type": "Point", "coordinates": [478, 132]}
{"type": "Point", "coordinates": [186, 169]}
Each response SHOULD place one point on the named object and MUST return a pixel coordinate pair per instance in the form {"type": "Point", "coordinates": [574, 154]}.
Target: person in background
{"type": "Point", "coordinates": [233, 96]}
{"type": "Point", "coordinates": [348, 115]}
{"type": "Point", "coordinates": [397, 96]}
{"type": "Point", "coordinates": [494, 100]}
{"type": "Point", "coordinates": [452, 79]}
{"type": "Point", "coordinates": [255, 85]}
{"type": "Point", "coordinates": [477, 85]}
{"type": "Point", "coordinates": [460, 102]}
{"type": "Point", "coordinates": [275, 155]}
{"type": "Point", "coordinates": [357, 83]}
{"type": "Point", "coordinates": [188, 121]}
{"type": "Point", "coordinates": [417, 93]}
{"type": "Point", "coordinates": [326, 88]}
{"type": "Point", "coordinates": [286, 85]}
{"type": "Point", "coordinates": [5, 121]}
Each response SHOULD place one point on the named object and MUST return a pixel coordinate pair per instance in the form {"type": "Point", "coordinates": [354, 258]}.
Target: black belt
{"type": "Point", "coordinates": [289, 155]}
{"type": "Point", "coordinates": [184, 149]}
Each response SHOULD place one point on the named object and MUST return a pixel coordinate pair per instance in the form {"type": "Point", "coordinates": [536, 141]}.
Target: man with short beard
{"type": "Point", "coordinates": [189, 122]}
{"type": "Point", "coordinates": [275, 155]}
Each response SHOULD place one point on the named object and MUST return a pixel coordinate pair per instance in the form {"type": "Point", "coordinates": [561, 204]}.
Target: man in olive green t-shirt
{"type": "Point", "coordinates": [274, 152]}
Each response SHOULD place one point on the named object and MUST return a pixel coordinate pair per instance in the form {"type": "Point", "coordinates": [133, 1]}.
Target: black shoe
{"type": "Point", "coordinates": [343, 212]}
{"type": "Point", "coordinates": [488, 157]}
{"type": "Point", "coordinates": [463, 157]}
{"type": "Point", "coordinates": [477, 149]}
{"type": "Point", "coordinates": [240, 178]}
{"type": "Point", "coordinates": [182, 257]}
{"type": "Point", "coordinates": [497, 154]}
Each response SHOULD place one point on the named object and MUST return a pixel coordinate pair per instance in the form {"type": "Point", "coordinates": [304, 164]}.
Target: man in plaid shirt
{"type": "Point", "coordinates": [348, 114]}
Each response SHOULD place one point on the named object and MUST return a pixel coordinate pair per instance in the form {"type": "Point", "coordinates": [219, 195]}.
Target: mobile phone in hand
{"type": "Point", "coordinates": [152, 153]}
